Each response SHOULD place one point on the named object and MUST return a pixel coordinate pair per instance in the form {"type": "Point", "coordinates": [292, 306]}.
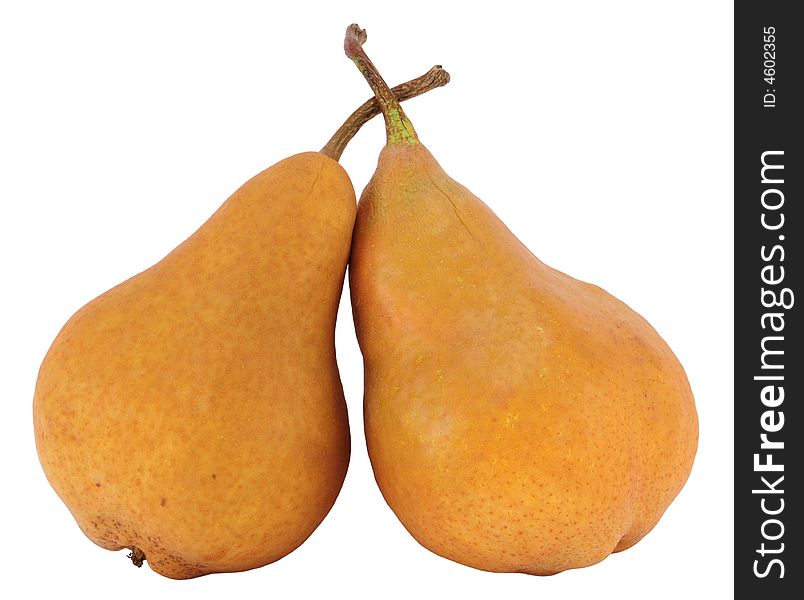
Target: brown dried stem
{"type": "Point", "coordinates": [434, 78]}
{"type": "Point", "coordinates": [398, 128]}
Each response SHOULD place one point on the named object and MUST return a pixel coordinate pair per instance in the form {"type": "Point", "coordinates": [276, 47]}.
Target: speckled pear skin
{"type": "Point", "coordinates": [517, 419]}
{"type": "Point", "coordinates": [195, 412]}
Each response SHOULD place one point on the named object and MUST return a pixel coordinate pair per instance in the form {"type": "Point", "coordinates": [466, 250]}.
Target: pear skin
{"type": "Point", "coordinates": [194, 413]}
{"type": "Point", "coordinates": [517, 419]}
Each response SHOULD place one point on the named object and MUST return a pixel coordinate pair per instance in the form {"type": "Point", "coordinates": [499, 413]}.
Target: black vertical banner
{"type": "Point", "coordinates": [769, 562]}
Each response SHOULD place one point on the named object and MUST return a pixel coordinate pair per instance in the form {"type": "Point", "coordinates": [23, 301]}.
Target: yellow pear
{"type": "Point", "coordinates": [517, 419]}
{"type": "Point", "coordinates": [194, 413]}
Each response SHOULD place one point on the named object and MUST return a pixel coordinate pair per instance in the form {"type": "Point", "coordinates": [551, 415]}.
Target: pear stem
{"type": "Point", "coordinates": [434, 78]}
{"type": "Point", "coordinates": [398, 128]}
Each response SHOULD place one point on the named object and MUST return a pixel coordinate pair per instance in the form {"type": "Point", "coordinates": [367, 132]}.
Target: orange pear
{"type": "Point", "coordinates": [194, 413]}
{"type": "Point", "coordinates": [517, 419]}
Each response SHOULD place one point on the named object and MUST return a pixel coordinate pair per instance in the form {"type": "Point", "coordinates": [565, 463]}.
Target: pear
{"type": "Point", "coordinates": [194, 413]}
{"type": "Point", "coordinates": [517, 419]}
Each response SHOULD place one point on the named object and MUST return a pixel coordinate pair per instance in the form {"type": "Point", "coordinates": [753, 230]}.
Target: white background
{"type": "Point", "coordinates": [600, 132]}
